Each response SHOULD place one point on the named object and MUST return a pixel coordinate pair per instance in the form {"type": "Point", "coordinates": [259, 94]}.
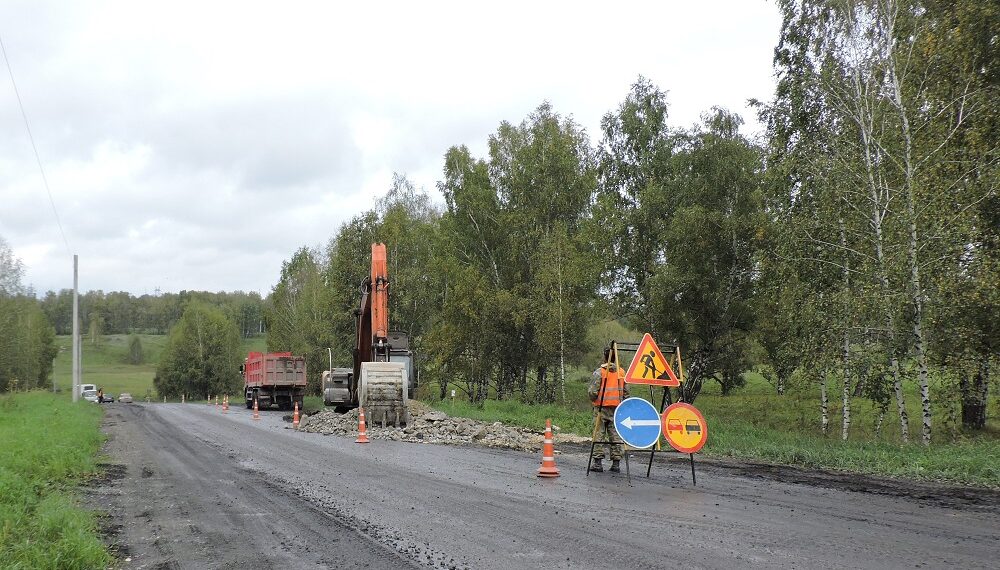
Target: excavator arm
{"type": "Point", "coordinates": [379, 384]}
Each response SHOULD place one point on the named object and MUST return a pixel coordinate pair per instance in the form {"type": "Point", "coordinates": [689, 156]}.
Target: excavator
{"type": "Point", "coordinates": [382, 377]}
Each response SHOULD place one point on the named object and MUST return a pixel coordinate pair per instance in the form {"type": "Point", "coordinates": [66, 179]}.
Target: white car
{"type": "Point", "coordinates": [125, 398]}
{"type": "Point", "coordinates": [90, 395]}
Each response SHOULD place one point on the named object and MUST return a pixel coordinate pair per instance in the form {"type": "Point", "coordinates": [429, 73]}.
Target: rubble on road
{"type": "Point", "coordinates": [432, 426]}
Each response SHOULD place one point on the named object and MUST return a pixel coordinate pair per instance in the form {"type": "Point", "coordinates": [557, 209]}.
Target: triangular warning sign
{"type": "Point", "coordinates": [649, 366]}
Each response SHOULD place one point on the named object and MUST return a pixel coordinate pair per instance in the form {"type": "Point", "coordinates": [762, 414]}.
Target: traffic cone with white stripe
{"type": "Point", "coordinates": [548, 468]}
{"type": "Point", "coordinates": [295, 416]}
{"type": "Point", "coordinates": [225, 404]}
{"type": "Point", "coordinates": [256, 410]}
{"type": "Point", "coordinates": [216, 401]}
{"type": "Point", "coordinates": [362, 429]}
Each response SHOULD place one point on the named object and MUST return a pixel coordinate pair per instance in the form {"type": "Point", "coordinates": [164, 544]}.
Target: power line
{"type": "Point", "coordinates": [31, 137]}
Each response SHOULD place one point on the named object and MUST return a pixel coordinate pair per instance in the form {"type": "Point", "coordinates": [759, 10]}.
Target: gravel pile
{"type": "Point", "coordinates": [432, 426]}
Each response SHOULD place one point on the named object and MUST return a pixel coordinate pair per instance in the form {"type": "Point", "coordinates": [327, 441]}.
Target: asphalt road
{"type": "Point", "coordinates": [199, 489]}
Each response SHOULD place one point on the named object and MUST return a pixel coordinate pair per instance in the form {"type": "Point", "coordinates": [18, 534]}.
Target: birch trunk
{"type": "Point", "coordinates": [824, 405]}
{"type": "Point", "coordinates": [846, 355]}
{"type": "Point", "coordinates": [562, 338]}
{"type": "Point", "coordinates": [880, 196]}
{"type": "Point", "coordinates": [916, 291]}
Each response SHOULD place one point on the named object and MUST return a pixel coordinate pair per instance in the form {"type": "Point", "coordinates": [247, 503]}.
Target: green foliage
{"type": "Point", "coordinates": [882, 157]}
{"type": "Point", "coordinates": [702, 291]}
{"type": "Point", "coordinates": [682, 216]}
{"type": "Point", "coordinates": [27, 340]}
{"type": "Point", "coordinates": [119, 312]}
{"type": "Point", "coordinates": [41, 463]}
{"type": "Point", "coordinates": [202, 355]}
{"type": "Point", "coordinates": [135, 355]}
{"type": "Point", "coordinates": [299, 314]}
{"type": "Point", "coordinates": [520, 276]}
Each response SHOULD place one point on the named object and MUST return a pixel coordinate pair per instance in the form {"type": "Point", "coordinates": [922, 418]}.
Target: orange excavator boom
{"type": "Point", "coordinates": [380, 294]}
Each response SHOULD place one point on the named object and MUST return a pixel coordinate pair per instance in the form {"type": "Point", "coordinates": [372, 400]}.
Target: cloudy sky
{"type": "Point", "coordinates": [196, 145]}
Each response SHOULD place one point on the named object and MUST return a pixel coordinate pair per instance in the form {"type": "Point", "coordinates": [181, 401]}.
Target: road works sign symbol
{"type": "Point", "coordinates": [637, 423]}
{"type": "Point", "coordinates": [649, 366]}
{"type": "Point", "coordinates": [684, 427]}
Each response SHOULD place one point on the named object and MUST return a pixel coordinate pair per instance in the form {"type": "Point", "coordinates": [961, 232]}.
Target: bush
{"type": "Point", "coordinates": [134, 355]}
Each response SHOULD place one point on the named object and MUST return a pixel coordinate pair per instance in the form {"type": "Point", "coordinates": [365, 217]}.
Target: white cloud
{"type": "Point", "coordinates": [194, 145]}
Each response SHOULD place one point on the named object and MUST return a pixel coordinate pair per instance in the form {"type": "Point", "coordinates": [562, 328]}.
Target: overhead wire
{"type": "Point", "coordinates": [31, 137]}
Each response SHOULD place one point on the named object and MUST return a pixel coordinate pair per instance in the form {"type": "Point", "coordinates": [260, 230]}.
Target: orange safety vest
{"type": "Point", "coordinates": [612, 388]}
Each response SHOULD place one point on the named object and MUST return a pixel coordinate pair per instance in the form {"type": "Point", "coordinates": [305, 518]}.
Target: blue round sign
{"type": "Point", "coordinates": [637, 423]}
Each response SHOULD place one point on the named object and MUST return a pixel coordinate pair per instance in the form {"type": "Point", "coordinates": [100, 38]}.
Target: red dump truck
{"type": "Point", "coordinates": [274, 379]}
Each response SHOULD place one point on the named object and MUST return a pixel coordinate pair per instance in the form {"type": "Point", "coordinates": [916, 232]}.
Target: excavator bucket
{"type": "Point", "coordinates": [384, 393]}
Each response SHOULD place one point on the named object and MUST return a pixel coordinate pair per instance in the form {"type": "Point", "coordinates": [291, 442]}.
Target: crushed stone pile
{"type": "Point", "coordinates": [431, 426]}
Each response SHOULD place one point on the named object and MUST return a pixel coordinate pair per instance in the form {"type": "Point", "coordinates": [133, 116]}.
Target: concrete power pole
{"type": "Point", "coordinates": [76, 335]}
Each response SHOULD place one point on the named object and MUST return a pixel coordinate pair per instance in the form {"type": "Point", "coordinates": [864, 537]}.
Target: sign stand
{"type": "Point", "coordinates": [656, 371]}
{"type": "Point", "coordinates": [667, 399]}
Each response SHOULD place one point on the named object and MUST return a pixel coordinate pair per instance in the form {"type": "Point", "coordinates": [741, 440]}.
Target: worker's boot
{"type": "Point", "coordinates": [596, 466]}
{"type": "Point", "coordinates": [614, 466]}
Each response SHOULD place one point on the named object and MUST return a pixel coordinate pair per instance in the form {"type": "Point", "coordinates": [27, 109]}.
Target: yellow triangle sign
{"type": "Point", "coordinates": [649, 367]}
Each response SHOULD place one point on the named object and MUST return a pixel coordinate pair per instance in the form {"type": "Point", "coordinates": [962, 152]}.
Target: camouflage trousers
{"type": "Point", "coordinates": [606, 432]}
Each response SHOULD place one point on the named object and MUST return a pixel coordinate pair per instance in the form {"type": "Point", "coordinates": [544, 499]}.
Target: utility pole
{"type": "Point", "coordinates": [76, 335]}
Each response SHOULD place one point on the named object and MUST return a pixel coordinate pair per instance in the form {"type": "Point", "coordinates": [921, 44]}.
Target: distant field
{"type": "Point", "coordinates": [104, 363]}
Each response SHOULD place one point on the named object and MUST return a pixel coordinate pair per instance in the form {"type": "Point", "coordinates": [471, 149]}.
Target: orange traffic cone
{"type": "Point", "coordinates": [295, 416]}
{"type": "Point", "coordinates": [362, 429]}
{"type": "Point", "coordinates": [225, 404]}
{"type": "Point", "coordinates": [256, 410]}
{"type": "Point", "coordinates": [548, 468]}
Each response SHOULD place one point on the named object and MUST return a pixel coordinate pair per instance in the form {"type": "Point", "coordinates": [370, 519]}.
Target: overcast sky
{"type": "Point", "coordinates": [196, 145]}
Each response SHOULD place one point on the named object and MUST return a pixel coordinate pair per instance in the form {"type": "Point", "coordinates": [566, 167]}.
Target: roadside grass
{"type": "Point", "coordinates": [47, 445]}
{"type": "Point", "coordinates": [104, 363]}
{"type": "Point", "coordinates": [755, 423]}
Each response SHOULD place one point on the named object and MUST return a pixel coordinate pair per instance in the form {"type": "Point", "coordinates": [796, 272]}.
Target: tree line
{"type": "Point", "coordinates": [853, 247]}
{"type": "Point", "coordinates": [120, 312]}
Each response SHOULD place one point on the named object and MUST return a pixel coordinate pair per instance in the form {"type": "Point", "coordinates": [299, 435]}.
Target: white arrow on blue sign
{"type": "Point", "coordinates": [637, 423]}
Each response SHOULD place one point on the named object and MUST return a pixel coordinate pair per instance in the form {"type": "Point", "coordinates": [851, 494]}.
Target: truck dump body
{"type": "Point", "coordinates": [274, 378]}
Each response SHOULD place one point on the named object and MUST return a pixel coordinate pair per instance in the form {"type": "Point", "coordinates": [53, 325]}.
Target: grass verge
{"type": "Point", "coordinates": [41, 460]}
{"type": "Point", "coordinates": [756, 424]}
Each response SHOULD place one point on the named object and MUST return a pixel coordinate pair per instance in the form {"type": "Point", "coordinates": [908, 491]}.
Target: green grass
{"type": "Point", "coordinates": [755, 423]}
{"type": "Point", "coordinates": [104, 363]}
{"type": "Point", "coordinates": [47, 445]}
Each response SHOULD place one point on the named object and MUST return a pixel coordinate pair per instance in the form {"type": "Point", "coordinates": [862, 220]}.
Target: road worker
{"type": "Point", "coordinates": [607, 390]}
